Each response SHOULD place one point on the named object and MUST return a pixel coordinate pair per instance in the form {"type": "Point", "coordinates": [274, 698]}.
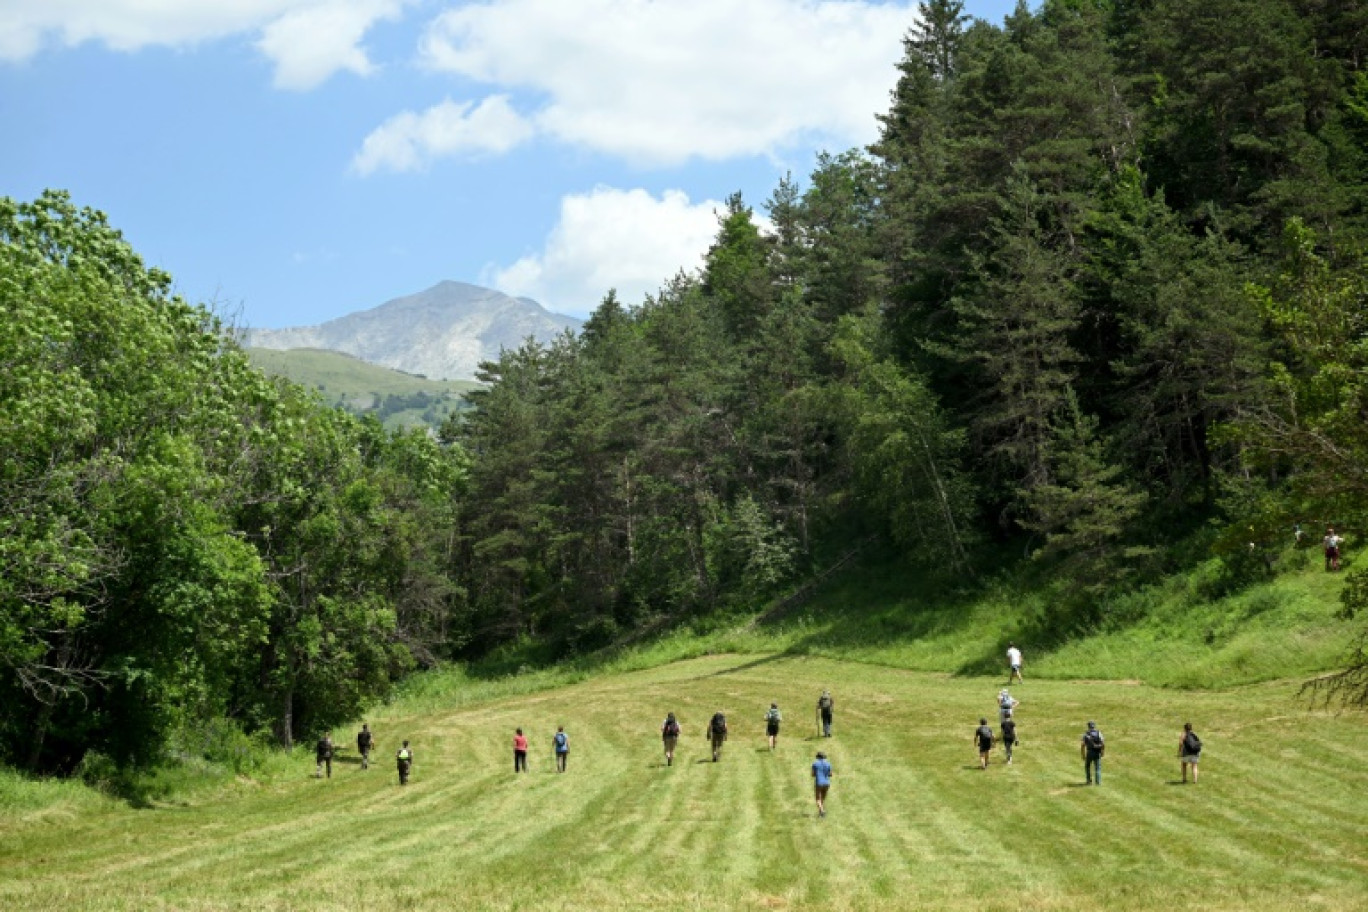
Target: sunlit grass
{"type": "Point", "coordinates": [912, 823]}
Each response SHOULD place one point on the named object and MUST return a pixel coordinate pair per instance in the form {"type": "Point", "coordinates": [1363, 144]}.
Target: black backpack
{"type": "Point", "coordinates": [671, 728]}
{"type": "Point", "coordinates": [1094, 740]}
{"type": "Point", "coordinates": [1191, 743]}
{"type": "Point", "coordinates": [719, 724]}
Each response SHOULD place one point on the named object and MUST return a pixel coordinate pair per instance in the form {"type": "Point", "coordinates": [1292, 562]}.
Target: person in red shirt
{"type": "Point", "coordinates": [520, 752]}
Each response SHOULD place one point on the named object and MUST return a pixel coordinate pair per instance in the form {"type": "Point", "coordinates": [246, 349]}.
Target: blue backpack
{"type": "Point", "coordinates": [561, 742]}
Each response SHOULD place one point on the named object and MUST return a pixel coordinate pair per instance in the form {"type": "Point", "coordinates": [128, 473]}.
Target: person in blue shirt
{"type": "Point", "coordinates": [562, 743]}
{"type": "Point", "coordinates": [821, 781]}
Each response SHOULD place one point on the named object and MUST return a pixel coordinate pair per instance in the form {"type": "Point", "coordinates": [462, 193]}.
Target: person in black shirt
{"type": "Point", "coordinates": [363, 745]}
{"type": "Point", "coordinates": [323, 754]}
{"type": "Point", "coordinates": [983, 736]}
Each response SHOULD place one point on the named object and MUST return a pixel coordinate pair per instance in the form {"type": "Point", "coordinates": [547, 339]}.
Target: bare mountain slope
{"type": "Point", "coordinates": [442, 333]}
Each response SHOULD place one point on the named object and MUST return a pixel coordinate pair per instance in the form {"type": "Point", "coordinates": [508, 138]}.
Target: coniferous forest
{"type": "Point", "coordinates": [1095, 303]}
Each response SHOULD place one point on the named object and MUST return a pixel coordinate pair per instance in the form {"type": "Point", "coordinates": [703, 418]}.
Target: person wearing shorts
{"type": "Point", "coordinates": [1013, 663]}
{"type": "Point", "coordinates": [983, 737]}
{"type": "Point", "coordinates": [821, 781]}
{"type": "Point", "coordinates": [561, 743]}
{"type": "Point", "coordinates": [772, 720]}
{"type": "Point", "coordinates": [519, 752]}
{"type": "Point", "coordinates": [1332, 549]}
{"type": "Point", "coordinates": [1189, 752]}
{"type": "Point", "coordinates": [669, 736]}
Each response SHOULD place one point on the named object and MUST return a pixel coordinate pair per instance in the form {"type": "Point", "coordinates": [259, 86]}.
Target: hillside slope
{"type": "Point", "coordinates": [913, 823]}
{"type": "Point", "coordinates": [358, 386]}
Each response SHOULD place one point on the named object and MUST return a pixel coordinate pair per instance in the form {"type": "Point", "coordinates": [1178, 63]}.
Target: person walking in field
{"type": "Point", "coordinates": [1092, 747]}
{"type": "Point", "coordinates": [1013, 663]}
{"type": "Point", "coordinates": [1189, 752]}
{"type": "Point", "coordinates": [825, 707]}
{"type": "Point", "coordinates": [821, 781]}
{"type": "Point", "coordinates": [403, 758]}
{"type": "Point", "coordinates": [323, 756]}
{"type": "Point", "coordinates": [669, 736]}
{"type": "Point", "coordinates": [363, 745]}
{"type": "Point", "coordinates": [983, 737]}
{"type": "Point", "coordinates": [772, 720]}
{"type": "Point", "coordinates": [1007, 705]}
{"type": "Point", "coordinates": [1008, 737]}
{"type": "Point", "coordinates": [717, 733]}
{"type": "Point", "coordinates": [519, 752]}
{"type": "Point", "coordinates": [561, 742]}
{"type": "Point", "coordinates": [1332, 544]}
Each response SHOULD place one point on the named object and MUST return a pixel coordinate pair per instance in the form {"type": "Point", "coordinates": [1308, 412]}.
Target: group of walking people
{"type": "Point", "coordinates": [1092, 745]}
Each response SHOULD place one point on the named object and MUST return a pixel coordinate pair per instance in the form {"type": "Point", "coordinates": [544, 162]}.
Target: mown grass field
{"type": "Point", "coordinates": [1277, 821]}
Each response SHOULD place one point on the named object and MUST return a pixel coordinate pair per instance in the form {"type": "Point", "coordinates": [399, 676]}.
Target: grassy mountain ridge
{"type": "Point", "coordinates": [359, 386]}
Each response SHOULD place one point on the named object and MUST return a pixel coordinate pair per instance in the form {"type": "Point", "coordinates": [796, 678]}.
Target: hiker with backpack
{"type": "Point", "coordinates": [772, 720]}
{"type": "Point", "coordinates": [669, 736]}
{"type": "Point", "coordinates": [323, 755]}
{"type": "Point", "coordinates": [561, 743]}
{"type": "Point", "coordinates": [1009, 738]}
{"type": "Point", "coordinates": [1189, 752]}
{"type": "Point", "coordinates": [1092, 747]}
{"type": "Point", "coordinates": [363, 745]}
{"type": "Point", "coordinates": [519, 752]}
{"type": "Point", "coordinates": [825, 705]}
{"type": "Point", "coordinates": [821, 781]}
{"type": "Point", "coordinates": [1006, 705]}
{"type": "Point", "coordinates": [403, 758]}
{"type": "Point", "coordinates": [983, 737]}
{"type": "Point", "coordinates": [717, 733]}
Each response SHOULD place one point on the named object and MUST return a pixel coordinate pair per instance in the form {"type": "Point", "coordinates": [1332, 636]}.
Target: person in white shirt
{"type": "Point", "coordinates": [1013, 663]}
{"type": "Point", "coordinates": [1332, 549]}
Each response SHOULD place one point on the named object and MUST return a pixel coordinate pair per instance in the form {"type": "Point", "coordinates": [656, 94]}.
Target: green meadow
{"type": "Point", "coordinates": [1276, 822]}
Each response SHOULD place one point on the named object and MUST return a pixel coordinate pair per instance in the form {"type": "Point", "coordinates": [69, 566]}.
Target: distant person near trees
{"type": "Point", "coordinates": [1013, 663]}
{"type": "Point", "coordinates": [669, 736]}
{"type": "Point", "coordinates": [825, 706]}
{"type": "Point", "coordinates": [561, 743]}
{"type": "Point", "coordinates": [1189, 752]}
{"type": "Point", "coordinates": [1092, 747]}
{"type": "Point", "coordinates": [772, 720]}
{"type": "Point", "coordinates": [403, 758]}
{"type": "Point", "coordinates": [323, 755]}
{"type": "Point", "coordinates": [519, 752]}
{"type": "Point", "coordinates": [983, 737]}
{"type": "Point", "coordinates": [821, 781]}
{"type": "Point", "coordinates": [364, 741]}
{"type": "Point", "coordinates": [1332, 544]}
{"type": "Point", "coordinates": [717, 733]}
{"type": "Point", "coordinates": [1009, 738]}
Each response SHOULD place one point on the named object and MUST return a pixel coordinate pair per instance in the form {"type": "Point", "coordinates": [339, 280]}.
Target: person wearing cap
{"type": "Point", "coordinates": [1092, 747]}
{"type": "Point", "coordinates": [821, 781]}
{"type": "Point", "coordinates": [1006, 704]}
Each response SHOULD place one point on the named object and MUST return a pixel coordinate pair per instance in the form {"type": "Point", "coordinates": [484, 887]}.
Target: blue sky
{"type": "Point", "coordinates": [290, 161]}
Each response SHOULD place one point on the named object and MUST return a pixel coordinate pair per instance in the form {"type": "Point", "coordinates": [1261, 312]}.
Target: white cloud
{"type": "Point", "coordinates": [661, 82]}
{"type": "Point", "coordinates": [611, 238]}
{"type": "Point", "coordinates": [307, 40]}
{"type": "Point", "coordinates": [408, 141]}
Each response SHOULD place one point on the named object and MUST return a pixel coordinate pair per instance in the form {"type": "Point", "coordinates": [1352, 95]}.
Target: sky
{"type": "Point", "coordinates": [292, 161]}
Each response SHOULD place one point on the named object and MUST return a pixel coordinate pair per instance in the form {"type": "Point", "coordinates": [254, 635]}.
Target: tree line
{"type": "Point", "coordinates": [1098, 288]}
